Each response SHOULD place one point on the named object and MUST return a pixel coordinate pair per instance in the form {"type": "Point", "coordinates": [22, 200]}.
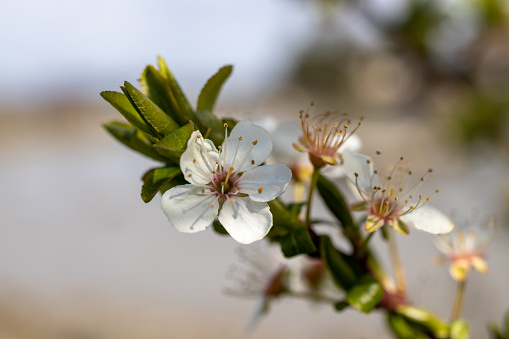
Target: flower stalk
{"type": "Point", "coordinates": [312, 186]}
{"type": "Point", "coordinates": [458, 300]}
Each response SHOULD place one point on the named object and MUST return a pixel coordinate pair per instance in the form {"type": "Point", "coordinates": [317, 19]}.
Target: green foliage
{"type": "Point", "coordinates": [402, 329]}
{"type": "Point", "coordinates": [338, 266]}
{"type": "Point", "coordinates": [210, 91]}
{"type": "Point", "coordinates": [297, 242]}
{"type": "Point", "coordinates": [174, 144]}
{"type": "Point", "coordinates": [218, 228]}
{"type": "Point", "coordinates": [123, 105]}
{"type": "Point", "coordinates": [133, 139]}
{"type": "Point", "coordinates": [424, 320]}
{"type": "Point", "coordinates": [499, 333]}
{"type": "Point", "coordinates": [337, 205]}
{"type": "Point", "coordinates": [365, 295]}
{"type": "Point", "coordinates": [155, 116]}
{"type": "Point", "coordinates": [155, 179]}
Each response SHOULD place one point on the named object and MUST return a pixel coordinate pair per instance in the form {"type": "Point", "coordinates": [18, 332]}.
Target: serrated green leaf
{"type": "Point", "coordinates": [365, 295]}
{"type": "Point", "coordinates": [124, 106]}
{"type": "Point", "coordinates": [342, 274]}
{"type": "Point", "coordinates": [210, 91]}
{"type": "Point", "coordinates": [155, 179]}
{"type": "Point", "coordinates": [337, 205]}
{"type": "Point", "coordinates": [460, 329]}
{"type": "Point", "coordinates": [176, 92]}
{"type": "Point", "coordinates": [402, 329]}
{"type": "Point", "coordinates": [133, 139]}
{"type": "Point", "coordinates": [297, 242]}
{"type": "Point", "coordinates": [175, 143]}
{"type": "Point", "coordinates": [155, 116]}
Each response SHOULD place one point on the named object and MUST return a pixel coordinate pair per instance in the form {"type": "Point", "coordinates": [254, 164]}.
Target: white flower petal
{"type": "Point", "coordinates": [198, 159]}
{"type": "Point", "coordinates": [240, 154]}
{"type": "Point", "coordinates": [283, 138]}
{"type": "Point", "coordinates": [265, 183]}
{"type": "Point", "coordinates": [246, 220]}
{"type": "Point", "coordinates": [363, 166]}
{"type": "Point", "coordinates": [352, 144]}
{"type": "Point", "coordinates": [188, 209]}
{"type": "Point", "coordinates": [429, 219]}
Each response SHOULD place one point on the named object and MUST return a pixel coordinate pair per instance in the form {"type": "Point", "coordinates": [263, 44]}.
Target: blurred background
{"type": "Point", "coordinates": [82, 257]}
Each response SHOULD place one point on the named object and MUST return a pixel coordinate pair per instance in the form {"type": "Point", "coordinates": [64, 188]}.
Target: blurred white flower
{"type": "Point", "coordinates": [227, 182]}
{"type": "Point", "coordinates": [388, 199]}
{"type": "Point", "coordinates": [464, 246]}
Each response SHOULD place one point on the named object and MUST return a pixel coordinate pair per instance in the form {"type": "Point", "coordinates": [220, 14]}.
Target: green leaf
{"type": "Point", "coordinates": [133, 139]}
{"type": "Point", "coordinates": [283, 220]}
{"type": "Point", "coordinates": [155, 116]}
{"type": "Point", "coordinates": [180, 99]}
{"type": "Point", "coordinates": [341, 305]}
{"type": "Point", "coordinates": [210, 91]}
{"type": "Point", "coordinates": [122, 104]}
{"type": "Point", "coordinates": [365, 295]}
{"type": "Point", "coordinates": [155, 179]}
{"type": "Point", "coordinates": [460, 330]}
{"type": "Point", "coordinates": [211, 127]}
{"type": "Point", "coordinates": [402, 329]}
{"type": "Point", "coordinates": [157, 89]}
{"type": "Point", "coordinates": [341, 272]}
{"type": "Point", "coordinates": [175, 143]}
{"type": "Point", "coordinates": [425, 319]}
{"type": "Point", "coordinates": [218, 228]}
{"type": "Point", "coordinates": [337, 205]}
{"type": "Point", "coordinates": [298, 241]}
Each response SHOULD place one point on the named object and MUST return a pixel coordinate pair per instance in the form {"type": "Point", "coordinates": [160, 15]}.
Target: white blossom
{"type": "Point", "coordinates": [227, 182]}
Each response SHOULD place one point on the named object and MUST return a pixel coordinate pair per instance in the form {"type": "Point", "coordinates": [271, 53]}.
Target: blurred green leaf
{"type": "Point", "coordinates": [282, 217]}
{"type": "Point", "coordinates": [210, 91]}
{"type": "Point", "coordinates": [174, 144]}
{"type": "Point", "coordinates": [133, 139]}
{"type": "Point", "coordinates": [155, 116]}
{"type": "Point", "coordinates": [341, 272]}
{"type": "Point", "coordinates": [337, 205]}
{"type": "Point", "coordinates": [297, 242]}
{"type": "Point", "coordinates": [402, 329]}
{"type": "Point", "coordinates": [425, 319]}
{"type": "Point", "coordinates": [157, 89]}
{"type": "Point", "coordinates": [460, 330]}
{"type": "Point", "coordinates": [123, 105]}
{"type": "Point", "coordinates": [341, 305]}
{"type": "Point", "coordinates": [180, 99]}
{"type": "Point", "coordinates": [155, 179]}
{"type": "Point", "coordinates": [365, 295]}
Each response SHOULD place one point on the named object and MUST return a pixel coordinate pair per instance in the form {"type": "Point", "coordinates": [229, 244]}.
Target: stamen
{"type": "Point", "coordinates": [260, 190]}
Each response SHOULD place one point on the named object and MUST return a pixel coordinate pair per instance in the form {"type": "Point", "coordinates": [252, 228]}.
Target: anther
{"type": "Point", "coordinates": [437, 190]}
{"type": "Point", "coordinates": [240, 138]}
{"type": "Point", "coordinates": [428, 199]}
{"type": "Point", "coordinates": [232, 200]}
{"type": "Point", "coordinates": [356, 175]}
{"type": "Point", "coordinates": [189, 175]}
{"type": "Point", "coordinates": [252, 162]}
{"type": "Point", "coordinates": [401, 158]}
{"type": "Point", "coordinates": [211, 205]}
{"type": "Point", "coordinates": [378, 152]}
{"type": "Point", "coordinates": [345, 126]}
{"type": "Point", "coordinates": [194, 161]}
{"type": "Point", "coordinates": [260, 190]}
{"type": "Point", "coordinates": [198, 136]}
{"type": "Point", "coordinates": [255, 142]}
{"type": "Point", "coordinates": [219, 148]}
{"type": "Point", "coordinates": [203, 190]}
{"type": "Point", "coordinates": [225, 124]}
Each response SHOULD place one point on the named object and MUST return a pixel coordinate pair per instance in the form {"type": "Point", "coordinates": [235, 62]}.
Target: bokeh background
{"type": "Point", "coordinates": [82, 257]}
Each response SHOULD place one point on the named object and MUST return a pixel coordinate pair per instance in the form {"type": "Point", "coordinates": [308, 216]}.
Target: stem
{"type": "Point", "coordinates": [458, 300]}
{"type": "Point", "coordinates": [399, 272]}
{"type": "Point", "coordinates": [364, 245]}
{"type": "Point", "coordinates": [312, 185]}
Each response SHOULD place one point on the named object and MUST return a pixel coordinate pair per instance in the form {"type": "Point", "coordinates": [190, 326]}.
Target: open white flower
{"type": "Point", "coordinates": [227, 182]}
{"type": "Point", "coordinates": [388, 200]}
{"type": "Point", "coordinates": [464, 246]}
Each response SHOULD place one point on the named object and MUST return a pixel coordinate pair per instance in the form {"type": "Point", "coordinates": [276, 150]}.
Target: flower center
{"type": "Point", "coordinates": [224, 184]}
